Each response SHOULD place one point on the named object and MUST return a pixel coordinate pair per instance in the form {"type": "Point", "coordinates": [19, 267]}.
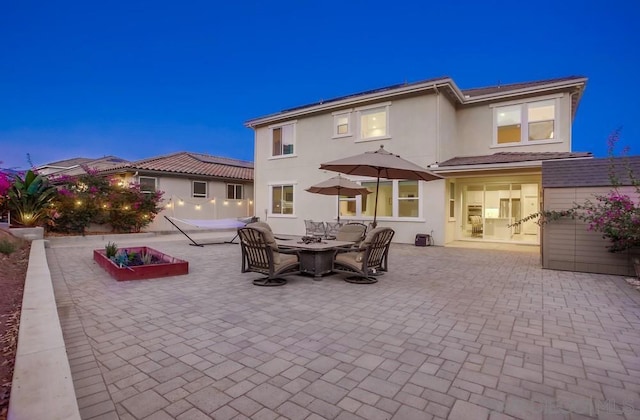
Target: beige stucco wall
{"type": "Point", "coordinates": [179, 203]}
{"type": "Point", "coordinates": [412, 129]}
{"type": "Point", "coordinates": [568, 245]}
{"type": "Point", "coordinates": [475, 130]}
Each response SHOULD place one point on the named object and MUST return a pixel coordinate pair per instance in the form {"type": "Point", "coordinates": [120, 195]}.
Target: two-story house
{"type": "Point", "coordinates": [487, 143]}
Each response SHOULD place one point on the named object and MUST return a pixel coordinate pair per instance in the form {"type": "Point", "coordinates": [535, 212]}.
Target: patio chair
{"type": "Point", "coordinates": [352, 232]}
{"type": "Point", "coordinates": [260, 254]}
{"type": "Point", "coordinates": [371, 256]}
{"type": "Point", "coordinates": [314, 228]}
{"type": "Point", "coordinates": [331, 229]}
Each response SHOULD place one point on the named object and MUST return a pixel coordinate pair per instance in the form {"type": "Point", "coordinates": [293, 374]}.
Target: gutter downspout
{"type": "Point", "coordinates": [437, 123]}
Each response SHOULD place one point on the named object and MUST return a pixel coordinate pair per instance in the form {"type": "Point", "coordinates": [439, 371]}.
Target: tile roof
{"type": "Point", "coordinates": [97, 164]}
{"type": "Point", "coordinates": [188, 163]}
{"type": "Point", "coordinates": [366, 92]}
{"type": "Point", "coordinates": [445, 84]}
{"type": "Point", "coordinates": [589, 173]}
{"type": "Point", "coordinates": [511, 157]}
{"type": "Point", "coordinates": [488, 90]}
{"type": "Point", "coordinates": [67, 163]}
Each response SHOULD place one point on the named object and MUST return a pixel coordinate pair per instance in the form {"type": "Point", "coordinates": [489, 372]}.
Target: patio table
{"type": "Point", "coordinates": [316, 258]}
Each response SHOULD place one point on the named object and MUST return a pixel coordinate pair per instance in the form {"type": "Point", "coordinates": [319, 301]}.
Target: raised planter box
{"type": "Point", "coordinates": [169, 267]}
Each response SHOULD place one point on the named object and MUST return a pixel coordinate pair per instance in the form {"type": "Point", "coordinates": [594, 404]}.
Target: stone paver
{"type": "Point", "coordinates": [455, 332]}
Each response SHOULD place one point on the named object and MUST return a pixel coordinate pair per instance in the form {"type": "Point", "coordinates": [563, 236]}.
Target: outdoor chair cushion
{"type": "Point", "coordinates": [260, 225]}
{"type": "Point", "coordinates": [281, 260]}
{"type": "Point", "coordinates": [270, 240]}
{"type": "Point", "coordinates": [367, 239]}
{"type": "Point", "coordinates": [351, 233]}
{"type": "Point", "coordinates": [353, 259]}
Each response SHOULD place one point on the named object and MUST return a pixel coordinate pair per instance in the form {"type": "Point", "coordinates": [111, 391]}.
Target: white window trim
{"type": "Point", "coordinates": [387, 107]}
{"type": "Point", "coordinates": [524, 122]}
{"type": "Point", "coordinates": [452, 186]}
{"type": "Point", "coordinates": [270, 186]}
{"type": "Point", "coordinates": [338, 114]}
{"type": "Point", "coordinates": [193, 189]}
{"type": "Point", "coordinates": [234, 191]}
{"type": "Point", "coordinates": [395, 208]}
{"type": "Point", "coordinates": [293, 123]}
{"type": "Point", "coordinates": [155, 183]}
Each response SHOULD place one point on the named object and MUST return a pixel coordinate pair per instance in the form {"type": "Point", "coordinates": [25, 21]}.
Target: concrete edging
{"type": "Point", "coordinates": [42, 385]}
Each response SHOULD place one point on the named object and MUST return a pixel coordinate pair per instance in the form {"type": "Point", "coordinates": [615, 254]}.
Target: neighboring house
{"type": "Point", "coordinates": [73, 167]}
{"type": "Point", "coordinates": [488, 144]}
{"type": "Point", "coordinates": [567, 243]}
{"type": "Point", "coordinates": [195, 186]}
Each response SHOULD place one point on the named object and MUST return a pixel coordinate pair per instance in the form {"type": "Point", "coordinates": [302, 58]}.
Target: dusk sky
{"type": "Point", "coordinates": [139, 79]}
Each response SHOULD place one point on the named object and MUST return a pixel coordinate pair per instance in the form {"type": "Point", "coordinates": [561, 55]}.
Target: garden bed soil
{"type": "Point", "coordinates": [12, 277]}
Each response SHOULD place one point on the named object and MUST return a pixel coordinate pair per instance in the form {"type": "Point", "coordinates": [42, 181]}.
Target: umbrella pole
{"type": "Point", "coordinates": [338, 203]}
{"type": "Point", "coordinates": [375, 208]}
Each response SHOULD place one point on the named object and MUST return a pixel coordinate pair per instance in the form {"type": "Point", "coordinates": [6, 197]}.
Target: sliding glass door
{"type": "Point", "coordinates": [489, 210]}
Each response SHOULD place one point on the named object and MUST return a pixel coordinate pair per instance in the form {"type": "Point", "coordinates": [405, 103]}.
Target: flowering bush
{"type": "Point", "coordinates": [90, 198]}
{"type": "Point", "coordinates": [615, 215]}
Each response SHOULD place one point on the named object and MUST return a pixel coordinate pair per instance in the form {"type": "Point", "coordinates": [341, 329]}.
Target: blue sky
{"type": "Point", "coordinates": [139, 79]}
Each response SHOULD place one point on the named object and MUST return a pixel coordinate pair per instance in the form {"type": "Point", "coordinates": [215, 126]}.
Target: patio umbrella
{"type": "Point", "coordinates": [380, 164]}
{"type": "Point", "coordinates": [338, 186]}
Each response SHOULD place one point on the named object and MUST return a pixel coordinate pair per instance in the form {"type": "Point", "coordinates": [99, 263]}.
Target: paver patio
{"type": "Point", "coordinates": [451, 332]}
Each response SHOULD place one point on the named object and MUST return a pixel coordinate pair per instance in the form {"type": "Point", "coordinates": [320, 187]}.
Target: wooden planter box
{"type": "Point", "coordinates": [170, 267]}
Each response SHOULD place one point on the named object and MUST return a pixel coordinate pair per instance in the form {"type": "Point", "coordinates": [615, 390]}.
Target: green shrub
{"type": "Point", "coordinates": [7, 247]}
{"type": "Point", "coordinates": [111, 249]}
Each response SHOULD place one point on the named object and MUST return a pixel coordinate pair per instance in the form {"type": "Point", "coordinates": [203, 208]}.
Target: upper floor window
{"type": "Point", "coordinates": [235, 191]}
{"type": "Point", "coordinates": [341, 124]}
{"type": "Point", "coordinates": [524, 123]}
{"type": "Point", "coordinates": [199, 189]}
{"type": "Point", "coordinates": [147, 184]}
{"type": "Point", "coordinates": [281, 199]}
{"type": "Point", "coordinates": [283, 139]}
{"type": "Point", "coordinates": [374, 122]}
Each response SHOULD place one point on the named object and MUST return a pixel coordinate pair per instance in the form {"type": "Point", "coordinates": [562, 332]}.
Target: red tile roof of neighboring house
{"type": "Point", "coordinates": [99, 164]}
{"type": "Point", "coordinates": [193, 164]}
{"type": "Point", "coordinates": [511, 157]}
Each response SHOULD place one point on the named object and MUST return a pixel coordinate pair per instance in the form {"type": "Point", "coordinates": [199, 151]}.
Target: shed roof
{"type": "Point", "coordinates": [589, 173]}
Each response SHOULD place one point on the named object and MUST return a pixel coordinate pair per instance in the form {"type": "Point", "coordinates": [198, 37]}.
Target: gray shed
{"type": "Point", "coordinates": [568, 244]}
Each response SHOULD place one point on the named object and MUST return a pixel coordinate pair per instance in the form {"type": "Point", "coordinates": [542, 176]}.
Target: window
{"type": "Point", "coordinates": [374, 122]}
{"type": "Point", "coordinates": [341, 124]}
{"type": "Point", "coordinates": [147, 184]}
{"type": "Point", "coordinates": [541, 120]}
{"type": "Point", "coordinates": [397, 199]}
{"type": "Point", "coordinates": [524, 123]}
{"type": "Point", "coordinates": [407, 198]}
{"type": "Point", "coordinates": [199, 189]}
{"type": "Point", "coordinates": [235, 191]}
{"type": "Point", "coordinates": [282, 199]}
{"type": "Point", "coordinates": [452, 200]}
{"type": "Point", "coordinates": [282, 140]}
{"type": "Point", "coordinates": [385, 199]}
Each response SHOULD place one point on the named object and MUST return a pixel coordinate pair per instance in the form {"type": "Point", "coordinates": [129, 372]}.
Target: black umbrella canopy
{"type": "Point", "coordinates": [380, 164]}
